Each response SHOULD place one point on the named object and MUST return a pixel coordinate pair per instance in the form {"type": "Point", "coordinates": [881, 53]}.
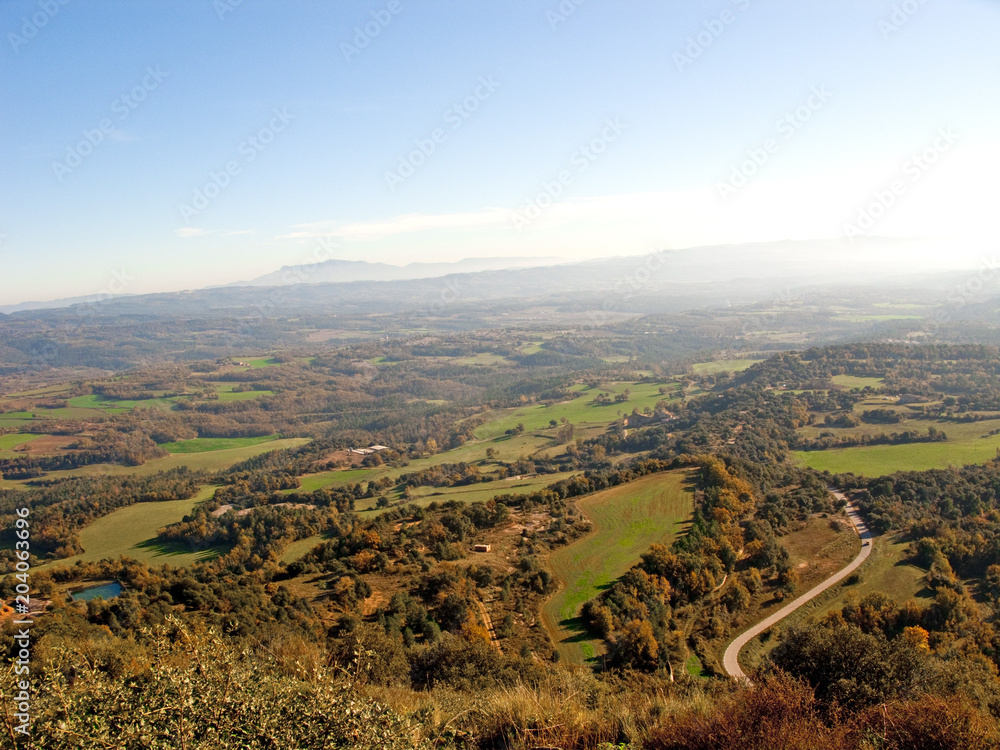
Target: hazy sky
{"type": "Point", "coordinates": [169, 144]}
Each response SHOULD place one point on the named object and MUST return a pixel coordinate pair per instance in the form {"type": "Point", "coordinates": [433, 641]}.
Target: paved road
{"type": "Point", "coordinates": [731, 658]}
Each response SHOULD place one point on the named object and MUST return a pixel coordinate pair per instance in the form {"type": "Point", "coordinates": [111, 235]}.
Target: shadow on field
{"type": "Point", "coordinates": [173, 549]}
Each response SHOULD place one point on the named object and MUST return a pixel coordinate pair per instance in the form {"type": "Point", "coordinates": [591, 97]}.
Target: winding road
{"type": "Point", "coordinates": [730, 661]}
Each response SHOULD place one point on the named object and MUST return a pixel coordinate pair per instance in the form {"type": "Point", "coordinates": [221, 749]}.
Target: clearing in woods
{"type": "Point", "coordinates": [581, 410]}
{"type": "Point", "coordinates": [205, 445]}
{"type": "Point", "coordinates": [723, 365]}
{"type": "Point", "coordinates": [216, 460]}
{"type": "Point", "coordinates": [131, 532]}
{"type": "Point", "coordinates": [626, 520]}
{"type": "Point", "coordinates": [879, 460]}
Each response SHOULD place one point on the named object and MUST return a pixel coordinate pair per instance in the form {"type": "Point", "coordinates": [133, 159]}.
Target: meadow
{"type": "Point", "coordinates": [206, 445]}
{"type": "Point", "coordinates": [13, 440]}
{"type": "Point", "coordinates": [131, 532]}
{"type": "Point", "coordinates": [723, 365]}
{"type": "Point", "coordinates": [508, 449]}
{"type": "Point", "coordinates": [207, 461]}
{"type": "Point", "coordinates": [580, 411]}
{"type": "Point", "coordinates": [473, 493]}
{"type": "Point", "coordinates": [626, 520]}
{"type": "Point", "coordinates": [966, 444]}
{"type": "Point", "coordinates": [853, 381]}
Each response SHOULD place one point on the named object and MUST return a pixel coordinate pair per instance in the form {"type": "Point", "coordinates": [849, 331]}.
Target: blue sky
{"type": "Point", "coordinates": [457, 129]}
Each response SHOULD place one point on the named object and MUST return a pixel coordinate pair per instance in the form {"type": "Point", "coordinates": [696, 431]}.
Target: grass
{"type": "Point", "coordinates": [879, 460]}
{"type": "Point", "coordinates": [204, 445]}
{"type": "Point", "coordinates": [131, 532]}
{"type": "Point", "coordinates": [868, 318]}
{"type": "Point", "coordinates": [852, 381]}
{"type": "Point", "coordinates": [627, 520]}
{"type": "Point", "coordinates": [424, 496]}
{"type": "Point", "coordinates": [111, 406]}
{"type": "Point", "coordinates": [694, 667]}
{"type": "Point", "coordinates": [295, 550]}
{"type": "Point", "coordinates": [16, 418]}
{"type": "Point", "coordinates": [579, 410]}
{"type": "Point", "coordinates": [211, 461]}
{"type": "Point", "coordinates": [259, 362]}
{"type": "Point", "coordinates": [314, 482]}
{"type": "Point", "coordinates": [242, 395]}
{"type": "Point", "coordinates": [508, 449]}
{"type": "Point", "coordinates": [69, 412]}
{"type": "Point", "coordinates": [9, 442]}
{"type": "Point", "coordinates": [968, 443]}
{"type": "Point", "coordinates": [92, 401]}
{"type": "Point", "coordinates": [723, 365]}
{"type": "Point", "coordinates": [886, 571]}
{"type": "Point", "coordinates": [482, 359]}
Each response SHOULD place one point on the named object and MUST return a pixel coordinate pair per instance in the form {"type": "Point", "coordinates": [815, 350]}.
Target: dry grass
{"type": "Point", "coordinates": [571, 710]}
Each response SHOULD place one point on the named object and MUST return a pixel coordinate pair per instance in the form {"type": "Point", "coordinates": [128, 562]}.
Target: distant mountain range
{"type": "Point", "coordinates": [344, 271]}
{"type": "Point", "coordinates": [331, 271]}
{"type": "Point", "coordinates": [671, 272]}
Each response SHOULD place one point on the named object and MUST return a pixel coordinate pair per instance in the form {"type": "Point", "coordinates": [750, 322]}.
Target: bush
{"type": "Point", "coordinates": [778, 714]}
{"type": "Point", "coordinates": [201, 694]}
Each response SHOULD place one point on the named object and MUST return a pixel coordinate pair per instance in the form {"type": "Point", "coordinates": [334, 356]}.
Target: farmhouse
{"type": "Point", "coordinates": [482, 548]}
{"type": "Point", "coordinates": [369, 450]}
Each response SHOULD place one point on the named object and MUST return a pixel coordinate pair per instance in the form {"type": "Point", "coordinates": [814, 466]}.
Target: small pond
{"type": "Point", "coordinates": [104, 591]}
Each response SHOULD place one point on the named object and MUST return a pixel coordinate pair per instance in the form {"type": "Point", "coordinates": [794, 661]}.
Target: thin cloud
{"type": "Point", "coordinates": [372, 231]}
{"type": "Point", "coordinates": [191, 232]}
{"type": "Point", "coordinates": [195, 232]}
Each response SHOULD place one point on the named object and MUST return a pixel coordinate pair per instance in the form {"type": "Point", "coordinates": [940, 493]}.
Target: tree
{"type": "Point", "coordinates": [846, 665]}
{"type": "Point", "coordinates": [636, 646]}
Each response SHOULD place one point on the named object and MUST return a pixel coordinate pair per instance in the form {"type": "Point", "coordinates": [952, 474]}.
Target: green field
{"type": "Point", "coordinates": [295, 550]}
{"type": "Point", "coordinates": [93, 401]}
{"type": "Point", "coordinates": [313, 482]}
{"type": "Point", "coordinates": [131, 532]}
{"type": "Point", "coordinates": [70, 412]}
{"type": "Point", "coordinates": [851, 381]}
{"type": "Point", "coordinates": [213, 461]}
{"type": "Point", "coordinates": [627, 520]}
{"type": "Point", "coordinates": [111, 406]}
{"type": "Point", "coordinates": [16, 418]}
{"type": "Point", "coordinates": [723, 365]}
{"type": "Point", "coordinates": [473, 493]}
{"type": "Point", "coordinates": [508, 449]}
{"type": "Point", "coordinates": [204, 445]}
{"type": "Point", "coordinates": [578, 411]}
{"type": "Point", "coordinates": [966, 444]}
{"type": "Point", "coordinates": [242, 395]}
{"type": "Point", "coordinates": [259, 362]}
{"type": "Point", "coordinates": [483, 359]}
{"type": "Point", "coordinates": [9, 442]}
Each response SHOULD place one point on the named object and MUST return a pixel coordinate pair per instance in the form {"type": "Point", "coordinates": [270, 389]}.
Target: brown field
{"type": "Point", "coordinates": [48, 444]}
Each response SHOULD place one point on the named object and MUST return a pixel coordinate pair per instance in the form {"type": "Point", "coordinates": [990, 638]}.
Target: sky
{"type": "Point", "coordinates": [173, 144]}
